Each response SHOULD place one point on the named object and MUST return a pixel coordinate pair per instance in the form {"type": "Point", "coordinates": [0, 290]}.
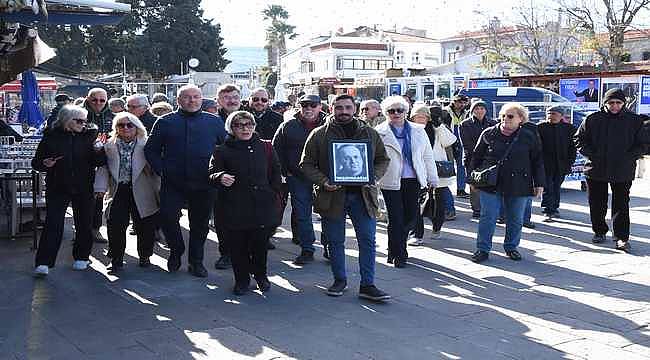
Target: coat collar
{"type": "Point", "coordinates": [138, 159]}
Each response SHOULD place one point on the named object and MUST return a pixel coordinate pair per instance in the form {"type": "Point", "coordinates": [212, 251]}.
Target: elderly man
{"type": "Point", "coordinates": [371, 112]}
{"type": "Point", "coordinates": [138, 105]}
{"type": "Point", "coordinates": [288, 143]}
{"type": "Point", "coordinates": [609, 139]}
{"type": "Point", "coordinates": [267, 119]}
{"type": "Point", "coordinates": [116, 105]}
{"type": "Point", "coordinates": [334, 202]}
{"type": "Point", "coordinates": [179, 150]}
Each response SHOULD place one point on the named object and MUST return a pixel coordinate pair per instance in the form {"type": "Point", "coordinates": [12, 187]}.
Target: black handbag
{"type": "Point", "coordinates": [446, 169]}
{"type": "Point", "coordinates": [487, 177]}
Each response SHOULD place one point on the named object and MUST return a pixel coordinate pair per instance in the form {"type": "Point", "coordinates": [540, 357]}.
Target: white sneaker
{"type": "Point", "coordinates": [41, 270]}
{"type": "Point", "coordinates": [80, 264]}
{"type": "Point", "coordinates": [435, 235]}
{"type": "Point", "coordinates": [416, 242]}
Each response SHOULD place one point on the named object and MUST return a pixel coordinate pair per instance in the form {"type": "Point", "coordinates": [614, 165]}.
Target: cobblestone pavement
{"type": "Point", "coordinates": [568, 299]}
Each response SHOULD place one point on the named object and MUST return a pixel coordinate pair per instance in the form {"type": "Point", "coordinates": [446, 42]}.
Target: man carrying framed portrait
{"type": "Point", "coordinates": [343, 158]}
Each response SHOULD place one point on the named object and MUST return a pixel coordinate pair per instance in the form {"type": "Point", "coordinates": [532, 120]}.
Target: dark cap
{"type": "Point", "coordinates": [62, 97]}
{"type": "Point", "coordinates": [279, 105]}
{"type": "Point", "coordinates": [309, 98]}
{"type": "Point", "coordinates": [476, 103]}
{"type": "Point", "coordinates": [556, 108]}
{"type": "Point", "coordinates": [460, 97]}
{"type": "Point", "coordinates": [614, 93]}
{"type": "Point", "coordinates": [208, 103]}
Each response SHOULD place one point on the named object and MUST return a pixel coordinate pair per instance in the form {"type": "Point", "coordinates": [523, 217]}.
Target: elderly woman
{"type": "Point", "coordinates": [132, 189]}
{"type": "Point", "coordinates": [246, 172]}
{"type": "Point", "coordinates": [517, 149]}
{"type": "Point", "coordinates": [440, 138]}
{"type": "Point", "coordinates": [411, 168]}
{"type": "Point", "coordinates": [68, 155]}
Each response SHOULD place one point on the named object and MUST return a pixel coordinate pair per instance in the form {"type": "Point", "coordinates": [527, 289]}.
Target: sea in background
{"type": "Point", "coordinates": [244, 57]}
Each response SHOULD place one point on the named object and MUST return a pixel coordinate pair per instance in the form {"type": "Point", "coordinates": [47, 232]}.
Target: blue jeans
{"type": "Point", "coordinates": [301, 203]}
{"type": "Point", "coordinates": [448, 199]}
{"type": "Point", "coordinates": [551, 195]}
{"type": "Point", "coordinates": [514, 207]}
{"type": "Point", "coordinates": [528, 211]}
{"type": "Point", "coordinates": [460, 167]}
{"type": "Point", "coordinates": [364, 228]}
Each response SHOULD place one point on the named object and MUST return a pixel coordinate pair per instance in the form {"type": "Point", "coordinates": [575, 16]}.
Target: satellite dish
{"type": "Point", "coordinates": [193, 62]}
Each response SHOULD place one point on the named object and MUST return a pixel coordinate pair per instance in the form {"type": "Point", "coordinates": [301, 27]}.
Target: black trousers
{"type": "Point", "coordinates": [597, 193]}
{"type": "Point", "coordinates": [248, 253]}
{"type": "Point", "coordinates": [97, 217]}
{"type": "Point", "coordinates": [122, 207]}
{"type": "Point", "coordinates": [199, 203]}
{"type": "Point", "coordinates": [56, 205]}
{"type": "Point", "coordinates": [294, 220]}
{"type": "Point", "coordinates": [403, 209]}
{"type": "Point", "coordinates": [218, 229]}
{"type": "Point", "coordinates": [435, 210]}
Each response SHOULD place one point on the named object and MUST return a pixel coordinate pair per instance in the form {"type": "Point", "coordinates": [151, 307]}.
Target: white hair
{"type": "Point", "coordinates": [392, 101]}
{"type": "Point", "coordinates": [67, 113]}
{"type": "Point", "coordinates": [372, 102]}
{"type": "Point", "coordinates": [240, 114]}
{"type": "Point", "coordinates": [187, 87]}
{"type": "Point", "coordinates": [140, 129]}
{"type": "Point", "coordinates": [141, 99]}
{"type": "Point", "coordinates": [258, 89]}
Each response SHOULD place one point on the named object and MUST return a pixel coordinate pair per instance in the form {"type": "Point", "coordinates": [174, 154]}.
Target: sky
{"type": "Point", "coordinates": [242, 23]}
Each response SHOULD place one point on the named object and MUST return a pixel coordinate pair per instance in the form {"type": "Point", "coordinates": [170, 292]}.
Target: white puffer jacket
{"type": "Point", "coordinates": [444, 138]}
{"type": "Point", "coordinates": [423, 163]}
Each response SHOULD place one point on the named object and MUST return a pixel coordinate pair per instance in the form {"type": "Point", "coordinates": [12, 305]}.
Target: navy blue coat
{"type": "Point", "coordinates": [180, 146]}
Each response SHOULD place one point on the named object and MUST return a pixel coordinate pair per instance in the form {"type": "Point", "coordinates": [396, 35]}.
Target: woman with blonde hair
{"type": "Point", "coordinates": [132, 188]}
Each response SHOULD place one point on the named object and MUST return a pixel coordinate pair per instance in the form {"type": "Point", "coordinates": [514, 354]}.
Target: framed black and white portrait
{"type": "Point", "coordinates": [349, 162]}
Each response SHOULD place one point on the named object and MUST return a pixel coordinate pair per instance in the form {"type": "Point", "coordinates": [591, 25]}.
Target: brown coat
{"type": "Point", "coordinates": [314, 164]}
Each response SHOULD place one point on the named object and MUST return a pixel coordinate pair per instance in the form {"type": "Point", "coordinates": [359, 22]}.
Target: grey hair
{"type": "Point", "coordinates": [94, 91]}
{"type": "Point", "coordinates": [142, 99]}
{"type": "Point", "coordinates": [258, 89]}
{"type": "Point", "coordinates": [373, 102]}
{"type": "Point", "coordinates": [140, 129]}
{"type": "Point", "coordinates": [520, 109]}
{"type": "Point", "coordinates": [187, 87]}
{"type": "Point", "coordinates": [159, 97]}
{"type": "Point", "coordinates": [392, 101]}
{"type": "Point", "coordinates": [116, 100]}
{"type": "Point", "coordinates": [228, 88]}
{"type": "Point", "coordinates": [238, 115]}
{"type": "Point", "coordinates": [67, 113]}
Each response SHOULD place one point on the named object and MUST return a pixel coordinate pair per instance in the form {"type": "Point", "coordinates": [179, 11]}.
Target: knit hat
{"type": "Point", "coordinates": [614, 93]}
{"type": "Point", "coordinates": [422, 109]}
{"type": "Point", "coordinates": [556, 108]}
{"type": "Point", "coordinates": [477, 103]}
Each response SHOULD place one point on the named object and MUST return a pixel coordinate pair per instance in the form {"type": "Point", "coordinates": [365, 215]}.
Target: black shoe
{"type": "Point", "coordinates": [623, 245]}
{"type": "Point", "coordinates": [223, 263]}
{"type": "Point", "coordinates": [399, 263]}
{"type": "Point", "coordinates": [599, 239]}
{"type": "Point", "coordinates": [462, 194]}
{"type": "Point", "coordinates": [450, 216]}
{"type": "Point", "coordinates": [389, 259]}
{"type": "Point", "coordinates": [240, 289]}
{"type": "Point", "coordinates": [269, 245]}
{"type": "Point", "coordinates": [337, 288]}
{"type": "Point", "coordinates": [197, 270]}
{"type": "Point", "coordinates": [263, 284]}
{"type": "Point", "coordinates": [117, 264]}
{"type": "Point", "coordinates": [304, 258]}
{"type": "Point", "coordinates": [173, 263]}
{"type": "Point", "coordinates": [371, 292]}
{"type": "Point", "coordinates": [556, 215]}
{"type": "Point", "coordinates": [326, 252]}
{"type": "Point", "coordinates": [514, 255]}
{"type": "Point", "coordinates": [479, 256]}
{"type": "Point", "coordinates": [132, 231]}
{"type": "Point", "coordinates": [295, 240]}
{"type": "Point", "coordinates": [98, 237]}
{"type": "Point", "coordinates": [501, 220]}
{"type": "Point", "coordinates": [144, 262]}
{"type": "Point", "coordinates": [529, 225]}
{"type": "Point", "coordinates": [476, 215]}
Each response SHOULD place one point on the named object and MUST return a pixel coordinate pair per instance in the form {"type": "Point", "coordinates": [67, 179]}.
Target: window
{"type": "Point", "coordinates": [415, 58]}
{"type": "Point", "coordinates": [399, 56]}
{"type": "Point", "coordinates": [306, 67]}
{"type": "Point", "coordinates": [358, 64]}
{"type": "Point", "coordinates": [348, 64]}
{"type": "Point", "coordinates": [371, 64]}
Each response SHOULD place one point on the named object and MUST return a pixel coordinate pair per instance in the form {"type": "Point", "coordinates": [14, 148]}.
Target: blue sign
{"type": "Point", "coordinates": [644, 103]}
{"type": "Point", "coordinates": [395, 89]}
{"type": "Point", "coordinates": [488, 83]}
{"type": "Point", "coordinates": [584, 92]}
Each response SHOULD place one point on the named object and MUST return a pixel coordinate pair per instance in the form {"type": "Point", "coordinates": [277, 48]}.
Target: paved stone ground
{"type": "Point", "coordinates": [568, 299]}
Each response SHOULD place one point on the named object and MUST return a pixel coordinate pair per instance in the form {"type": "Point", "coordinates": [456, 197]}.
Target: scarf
{"type": "Point", "coordinates": [405, 135]}
{"type": "Point", "coordinates": [506, 132]}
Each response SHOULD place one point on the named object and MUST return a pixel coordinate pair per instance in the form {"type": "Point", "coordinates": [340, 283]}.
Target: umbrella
{"type": "Point", "coordinates": [29, 111]}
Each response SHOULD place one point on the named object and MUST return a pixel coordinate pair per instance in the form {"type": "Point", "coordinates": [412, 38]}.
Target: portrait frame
{"type": "Point", "coordinates": [344, 169]}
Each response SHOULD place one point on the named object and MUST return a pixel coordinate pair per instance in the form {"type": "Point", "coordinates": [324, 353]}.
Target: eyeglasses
{"type": "Point", "coordinates": [395, 111]}
{"type": "Point", "coordinates": [134, 106]}
{"type": "Point", "coordinates": [312, 105]}
{"type": "Point", "coordinates": [248, 125]}
{"type": "Point", "coordinates": [127, 125]}
{"type": "Point", "coordinates": [80, 121]}
{"type": "Point", "coordinates": [256, 99]}
{"type": "Point", "coordinates": [364, 109]}
{"type": "Point", "coordinates": [509, 116]}
{"type": "Point", "coordinates": [95, 100]}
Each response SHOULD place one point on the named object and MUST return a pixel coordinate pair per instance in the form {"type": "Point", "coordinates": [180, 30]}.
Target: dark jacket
{"type": "Point", "coordinates": [148, 119]}
{"type": "Point", "coordinates": [75, 172]}
{"type": "Point", "coordinates": [557, 146]}
{"type": "Point", "coordinates": [289, 141]}
{"type": "Point", "coordinates": [315, 165]}
{"type": "Point", "coordinates": [103, 119]}
{"type": "Point", "coordinates": [267, 123]}
{"type": "Point", "coordinates": [470, 130]}
{"type": "Point", "coordinates": [251, 202]}
{"type": "Point", "coordinates": [521, 170]}
{"type": "Point", "coordinates": [644, 134]}
{"type": "Point", "coordinates": [53, 115]}
{"type": "Point", "coordinates": [180, 146]}
{"type": "Point", "coordinates": [611, 145]}
{"type": "Point", "coordinates": [449, 121]}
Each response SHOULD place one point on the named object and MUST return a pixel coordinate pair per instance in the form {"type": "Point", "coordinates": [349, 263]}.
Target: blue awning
{"type": "Point", "coordinates": [58, 17]}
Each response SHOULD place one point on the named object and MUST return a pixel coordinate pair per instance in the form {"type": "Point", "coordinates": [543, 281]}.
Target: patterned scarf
{"type": "Point", "coordinates": [126, 151]}
{"type": "Point", "coordinates": [405, 135]}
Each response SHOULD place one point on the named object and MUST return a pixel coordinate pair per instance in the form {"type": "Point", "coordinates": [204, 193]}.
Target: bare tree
{"type": "Point", "coordinates": [614, 17]}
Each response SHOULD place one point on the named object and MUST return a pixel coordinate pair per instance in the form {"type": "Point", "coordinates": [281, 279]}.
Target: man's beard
{"type": "Point", "coordinates": [343, 118]}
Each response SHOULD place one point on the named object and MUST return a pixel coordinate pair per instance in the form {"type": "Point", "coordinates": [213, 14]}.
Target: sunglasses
{"type": "Point", "coordinates": [395, 111]}
{"type": "Point", "coordinates": [509, 116]}
{"type": "Point", "coordinates": [247, 125]}
{"type": "Point", "coordinates": [363, 109]}
{"type": "Point", "coordinates": [312, 105]}
{"type": "Point", "coordinates": [101, 101]}
{"type": "Point", "coordinates": [134, 106]}
{"type": "Point", "coordinates": [256, 99]}
{"type": "Point", "coordinates": [125, 125]}
{"type": "Point", "coordinates": [80, 121]}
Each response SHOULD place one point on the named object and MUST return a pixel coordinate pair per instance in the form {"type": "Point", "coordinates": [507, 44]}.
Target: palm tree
{"type": "Point", "coordinates": [276, 33]}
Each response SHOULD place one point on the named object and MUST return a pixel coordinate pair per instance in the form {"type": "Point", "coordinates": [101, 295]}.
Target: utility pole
{"type": "Point", "coordinates": [124, 85]}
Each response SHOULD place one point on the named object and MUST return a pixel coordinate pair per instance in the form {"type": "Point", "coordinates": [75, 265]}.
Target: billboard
{"type": "Point", "coordinates": [584, 92]}
{"type": "Point", "coordinates": [644, 99]}
{"type": "Point", "coordinates": [629, 85]}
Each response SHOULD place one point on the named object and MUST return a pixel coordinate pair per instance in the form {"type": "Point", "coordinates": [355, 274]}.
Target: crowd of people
{"type": "Point", "coordinates": [239, 161]}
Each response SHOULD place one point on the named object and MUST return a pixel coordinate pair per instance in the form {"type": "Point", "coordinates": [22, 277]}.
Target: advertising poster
{"type": "Point", "coordinates": [395, 89]}
{"type": "Point", "coordinates": [585, 92]}
{"type": "Point", "coordinates": [629, 85]}
{"type": "Point", "coordinates": [488, 83]}
{"type": "Point", "coordinates": [644, 103]}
